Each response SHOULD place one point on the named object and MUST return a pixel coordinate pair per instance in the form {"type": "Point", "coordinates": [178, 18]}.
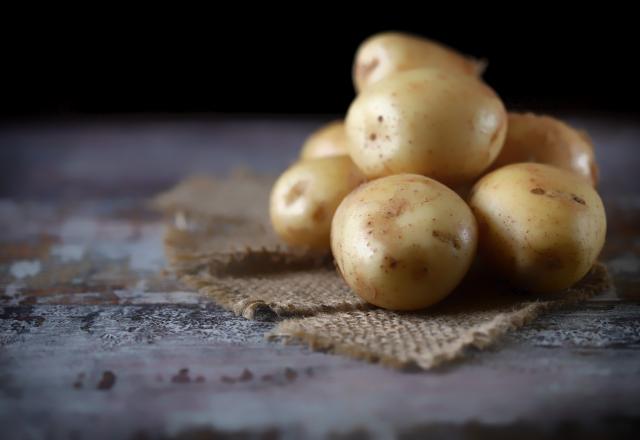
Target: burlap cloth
{"type": "Point", "coordinates": [219, 241]}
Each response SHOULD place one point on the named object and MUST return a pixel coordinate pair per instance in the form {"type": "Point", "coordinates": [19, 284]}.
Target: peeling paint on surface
{"type": "Point", "coordinates": [74, 229]}
{"type": "Point", "coordinates": [143, 248]}
{"type": "Point", "coordinates": [13, 292]}
{"type": "Point", "coordinates": [84, 255]}
{"type": "Point", "coordinates": [24, 269]}
{"type": "Point", "coordinates": [147, 252]}
{"type": "Point", "coordinates": [68, 252]}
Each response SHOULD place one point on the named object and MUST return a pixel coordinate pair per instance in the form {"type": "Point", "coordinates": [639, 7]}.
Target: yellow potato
{"type": "Point", "coordinates": [329, 140]}
{"type": "Point", "coordinates": [445, 126]}
{"type": "Point", "coordinates": [388, 53]}
{"type": "Point", "coordinates": [305, 197]}
{"type": "Point", "coordinates": [403, 242]}
{"type": "Point", "coordinates": [543, 139]}
{"type": "Point", "coordinates": [541, 227]}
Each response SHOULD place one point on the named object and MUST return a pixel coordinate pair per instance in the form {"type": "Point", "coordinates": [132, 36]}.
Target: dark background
{"type": "Point", "coordinates": [299, 61]}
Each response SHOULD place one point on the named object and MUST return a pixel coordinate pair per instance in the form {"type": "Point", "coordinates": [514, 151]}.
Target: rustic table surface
{"type": "Point", "coordinates": [96, 341]}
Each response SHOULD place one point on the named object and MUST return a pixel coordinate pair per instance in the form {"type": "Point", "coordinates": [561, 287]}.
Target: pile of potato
{"type": "Point", "coordinates": [427, 169]}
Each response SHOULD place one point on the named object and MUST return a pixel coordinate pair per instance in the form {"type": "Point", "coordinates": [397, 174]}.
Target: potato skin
{"type": "Point", "coordinates": [388, 53]}
{"type": "Point", "coordinates": [445, 126]}
{"type": "Point", "coordinates": [403, 242]}
{"type": "Point", "coordinates": [543, 139]}
{"type": "Point", "coordinates": [541, 227]}
{"type": "Point", "coordinates": [305, 197]}
{"type": "Point", "coordinates": [328, 140]}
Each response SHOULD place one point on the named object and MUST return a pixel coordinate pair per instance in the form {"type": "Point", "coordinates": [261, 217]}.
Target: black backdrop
{"type": "Point", "coordinates": [299, 62]}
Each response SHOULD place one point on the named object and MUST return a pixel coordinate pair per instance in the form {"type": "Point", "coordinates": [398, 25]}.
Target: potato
{"type": "Point", "coordinates": [543, 139]}
{"type": "Point", "coordinates": [388, 53]}
{"type": "Point", "coordinates": [305, 197]}
{"type": "Point", "coordinates": [329, 140]}
{"type": "Point", "coordinates": [425, 121]}
{"type": "Point", "coordinates": [541, 227]}
{"type": "Point", "coordinates": [403, 242]}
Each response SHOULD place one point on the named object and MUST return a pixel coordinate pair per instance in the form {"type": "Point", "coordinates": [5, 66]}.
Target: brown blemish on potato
{"type": "Point", "coordinates": [296, 192]}
{"type": "Point", "coordinates": [364, 69]}
{"type": "Point", "coordinates": [558, 194]}
{"type": "Point", "coordinates": [396, 207]}
{"type": "Point", "coordinates": [430, 199]}
{"type": "Point", "coordinates": [446, 237]}
{"type": "Point", "coordinates": [380, 118]}
{"type": "Point", "coordinates": [373, 137]}
{"type": "Point", "coordinates": [538, 191]}
{"type": "Point", "coordinates": [577, 199]}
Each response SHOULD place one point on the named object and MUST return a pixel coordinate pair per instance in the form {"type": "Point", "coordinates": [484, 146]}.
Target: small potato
{"type": "Point", "coordinates": [425, 121]}
{"type": "Point", "coordinates": [403, 242]}
{"type": "Point", "coordinates": [305, 197]}
{"type": "Point", "coordinates": [543, 139]}
{"type": "Point", "coordinates": [329, 140]}
{"type": "Point", "coordinates": [541, 227]}
{"type": "Point", "coordinates": [388, 53]}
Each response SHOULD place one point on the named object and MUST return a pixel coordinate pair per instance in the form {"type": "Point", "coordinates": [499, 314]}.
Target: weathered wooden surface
{"type": "Point", "coordinates": [97, 342]}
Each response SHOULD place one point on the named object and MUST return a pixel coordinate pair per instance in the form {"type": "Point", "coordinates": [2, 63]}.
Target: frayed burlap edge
{"type": "Point", "coordinates": [257, 309]}
{"type": "Point", "coordinates": [482, 336]}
